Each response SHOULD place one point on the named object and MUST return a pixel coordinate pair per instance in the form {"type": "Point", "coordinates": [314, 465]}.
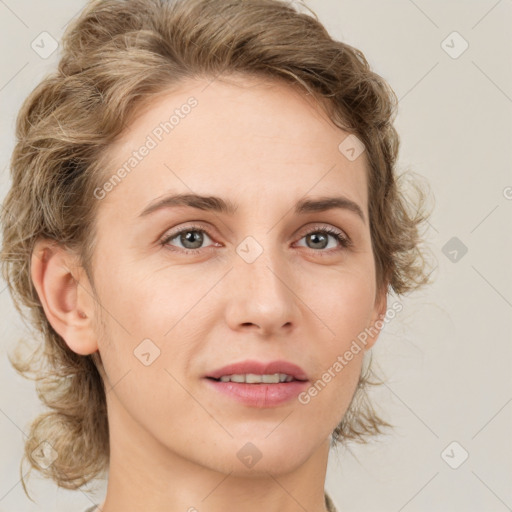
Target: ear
{"type": "Point", "coordinates": [65, 294]}
{"type": "Point", "coordinates": [377, 318]}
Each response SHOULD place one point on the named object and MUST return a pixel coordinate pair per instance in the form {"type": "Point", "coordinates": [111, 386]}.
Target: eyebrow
{"type": "Point", "coordinates": [217, 204]}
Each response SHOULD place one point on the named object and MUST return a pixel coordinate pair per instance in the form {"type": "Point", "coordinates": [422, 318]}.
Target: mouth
{"type": "Point", "coordinates": [262, 385]}
{"type": "Point", "coordinates": [253, 378]}
{"type": "Point", "coordinates": [256, 372]}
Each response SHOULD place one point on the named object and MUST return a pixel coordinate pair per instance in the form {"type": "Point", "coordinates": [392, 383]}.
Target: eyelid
{"type": "Point", "coordinates": [325, 227]}
{"type": "Point", "coordinates": [344, 240]}
{"type": "Point", "coordinates": [171, 234]}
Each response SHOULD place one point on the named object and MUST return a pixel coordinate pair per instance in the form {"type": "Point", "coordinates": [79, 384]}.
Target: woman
{"type": "Point", "coordinates": [205, 222]}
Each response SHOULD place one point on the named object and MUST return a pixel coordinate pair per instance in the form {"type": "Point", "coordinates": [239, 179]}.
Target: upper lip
{"type": "Point", "coordinates": [260, 368]}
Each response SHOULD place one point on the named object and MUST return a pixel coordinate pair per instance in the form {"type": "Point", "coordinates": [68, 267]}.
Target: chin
{"type": "Point", "coordinates": [257, 456]}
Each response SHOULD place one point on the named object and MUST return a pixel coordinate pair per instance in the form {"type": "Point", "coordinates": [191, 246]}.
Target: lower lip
{"type": "Point", "coordinates": [260, 395]}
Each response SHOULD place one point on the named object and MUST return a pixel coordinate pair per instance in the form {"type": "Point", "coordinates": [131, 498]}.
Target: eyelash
{"type": "Point", "coordinates": [337, 235]}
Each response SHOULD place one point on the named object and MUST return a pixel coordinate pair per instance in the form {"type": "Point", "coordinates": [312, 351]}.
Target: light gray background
{"type": "Point", "coordinates": [447, 355]}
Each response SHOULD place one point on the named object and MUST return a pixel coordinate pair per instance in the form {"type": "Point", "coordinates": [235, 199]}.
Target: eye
{"type": "Point", "coordinates": [191, 239]}
{"type": "Point", "coordinates": [319, 239]}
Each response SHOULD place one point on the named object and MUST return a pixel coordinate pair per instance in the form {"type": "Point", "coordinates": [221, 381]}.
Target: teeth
{"type": "Point", "coordinates": [251, 378]}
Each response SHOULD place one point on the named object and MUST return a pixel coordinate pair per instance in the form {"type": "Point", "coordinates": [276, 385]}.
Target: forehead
{"type": "Point", "coordinates": [229, 136]}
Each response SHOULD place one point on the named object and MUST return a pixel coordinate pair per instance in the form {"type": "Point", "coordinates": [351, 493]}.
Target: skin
{"type": "Point", "coordinates": [174, 440]}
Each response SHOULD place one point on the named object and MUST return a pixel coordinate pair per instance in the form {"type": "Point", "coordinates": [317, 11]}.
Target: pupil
{"type": "Point", "coordinates": [189, 236]}
{"type": "Point", "coordinates": [315, 237]}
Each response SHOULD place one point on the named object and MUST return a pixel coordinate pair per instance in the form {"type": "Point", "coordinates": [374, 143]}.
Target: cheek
{"type": "Point", "coordinates": [345, 303]}
{"type": "Point", "coordinates": [141, 303]}
{"type": "Point", "coordinates": [151, 324]}
{"type": "Point", "coordinates": [353, 310]}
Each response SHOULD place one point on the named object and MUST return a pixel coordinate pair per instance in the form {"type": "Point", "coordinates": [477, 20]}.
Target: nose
{"type": "Point", "coordinates": [261, 295]}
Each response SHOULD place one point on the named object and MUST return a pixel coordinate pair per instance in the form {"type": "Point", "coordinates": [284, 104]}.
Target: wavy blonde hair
{"type": "Point", "coordinates": [116, 56]}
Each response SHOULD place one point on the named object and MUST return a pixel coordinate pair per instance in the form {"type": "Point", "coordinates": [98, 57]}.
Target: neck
{"type": "Point", "coordinates": [146, 475]}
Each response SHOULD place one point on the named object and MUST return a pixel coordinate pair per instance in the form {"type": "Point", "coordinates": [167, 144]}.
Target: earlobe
{"type": "Point", "coordinates": [57, 280]}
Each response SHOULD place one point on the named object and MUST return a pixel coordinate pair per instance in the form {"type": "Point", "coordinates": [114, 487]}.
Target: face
{"type": "Point", "coordinates": [187, 289]}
